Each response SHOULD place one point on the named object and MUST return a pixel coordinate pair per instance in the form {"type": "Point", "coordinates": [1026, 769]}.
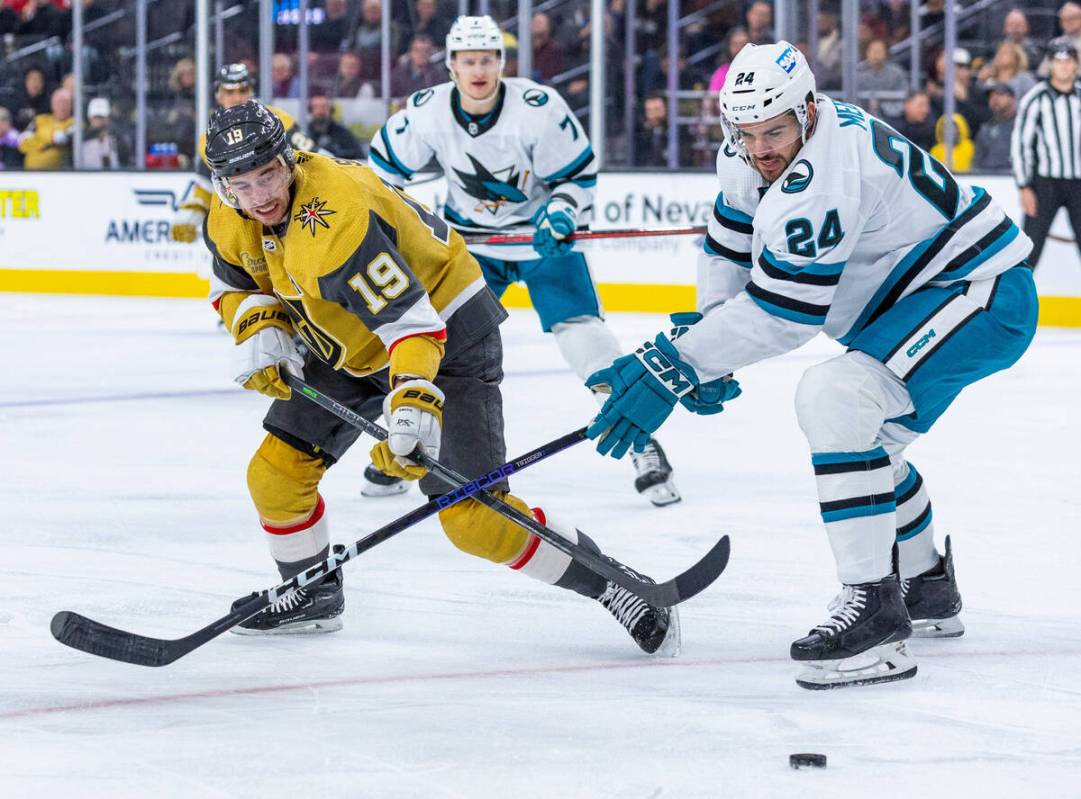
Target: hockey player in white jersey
{"type": "Point", "coordinates": [515, 160]}
{"type": "Point", "coordinates": [829, 220]}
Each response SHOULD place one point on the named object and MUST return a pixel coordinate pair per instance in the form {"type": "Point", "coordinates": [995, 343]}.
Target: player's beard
{"type": "Point", "coordinates": [774, 166]}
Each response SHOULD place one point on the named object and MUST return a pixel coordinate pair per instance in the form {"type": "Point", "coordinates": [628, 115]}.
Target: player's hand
{"type": "Point", "coordinates": [555, 222]}
{"type": "Point", "coordinates": [414, 413]}
{"type": "Point", "coordinates": [645, 387]}
{"type": "Point", "coordinates": [186, 225]}
{"type": "Point", "coordinates": [265, 346]}
{"type": "Point", "coordinates": [707, 398]}
{"type": "Point", "coordinates": [1028, 202]}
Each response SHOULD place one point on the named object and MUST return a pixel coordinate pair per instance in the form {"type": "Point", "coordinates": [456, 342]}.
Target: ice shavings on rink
{"type": "Point", "coordinates": [124, 451]}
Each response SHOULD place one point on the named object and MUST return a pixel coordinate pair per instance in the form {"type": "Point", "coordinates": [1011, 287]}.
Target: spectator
{"type": "Point", "coordinates": [41, 19]}
{"type": "Point", "coordinates": [1015, 30]}
{"type": "Point", "coordinates": [102, 148]}
{"type": "Point", "coordinates": [10, 157]}
{"type": "Point", "coordinates": [993, 141]}
{"type": "Point", "coordinates": [32, 100]}
{"type": "Point", "coordinates": [736, 39]}
{"type": "Point", "coordinates": [46, 144]}
{"type": "Point", "coordinates": [330, 34]}
{"type": "Point", "coordinates": [415, 70]}
{"type": "Point", "coordinates": [828, 59]}
{"type": "Point", "coordinates": [329, 134]}
{"type": "Point", "coordinates": [963, 148]}
{"type": "Point", "coordinates": [1010, 65]}
{"type": "Point", "coordinates": [182, 80]}
{"type": "Point", "coordinates": [349, 82]}
{"type": "Point", "coordinates": [547, 52]}
{"type": "Point", "coordinates": [877, 74]}
{"type": "Point", "coordinates": [651, 141]}
{"type": "Point", "coordinates": [1069, 19]}
{"type": "Point", "coordinates": [282, 81]}
{"type": "Point", "coordinates": [970, 102]}
{"type": "Point", "coordinates": [368, 39]}
{"type": "Point", "coordinates": [428, 20]}
{"type": "Point", "coordinates": [760, 23]}
{"type": "Point", "coordinates": [915, 123]}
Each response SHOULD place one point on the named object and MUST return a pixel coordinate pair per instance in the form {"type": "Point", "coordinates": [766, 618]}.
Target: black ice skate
{"type": "Point", "coordinates": [655, 630]}
{"type": "Point", "coordinates": [654, 480]}
{"type": "Point", "coordinates": [862, 643]}
{"type": "Point", "coordinates": [312, 609]}
{"type": "Point", "coordinates": [377, 484]}
{"type": "Point", "coordinates": [933, 600]}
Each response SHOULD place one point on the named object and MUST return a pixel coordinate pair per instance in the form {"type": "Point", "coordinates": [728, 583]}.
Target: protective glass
{"type": "Point", "coordinates": [766, 138]}
{"type": "Point", "coordinates": [257, 187]}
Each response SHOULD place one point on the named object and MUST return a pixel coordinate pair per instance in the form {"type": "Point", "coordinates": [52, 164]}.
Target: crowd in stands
{"type": "Point", "coordinates": [999, 63]}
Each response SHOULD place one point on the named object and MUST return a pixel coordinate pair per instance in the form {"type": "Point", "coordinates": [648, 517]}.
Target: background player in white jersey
{"type": "Point", "coordinates": [515, 158]}
{"type": "Point", "coordinates": [829, 220]}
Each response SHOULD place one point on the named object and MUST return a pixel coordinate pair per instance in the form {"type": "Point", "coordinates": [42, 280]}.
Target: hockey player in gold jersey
{"type": "Point", "coordinates": [233, 87]}
{"type": "Point", "coordinates": [396, 317]}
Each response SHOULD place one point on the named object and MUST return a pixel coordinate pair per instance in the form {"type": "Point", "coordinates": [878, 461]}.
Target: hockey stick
{"type": "Point", "coordinates": [95, 638]}
{"type": "Point", "coordinates": [587, 235]}
{"type": "Point", "coordinates": [666, 595]}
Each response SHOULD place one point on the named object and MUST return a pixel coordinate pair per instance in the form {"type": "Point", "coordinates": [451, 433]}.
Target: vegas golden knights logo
{"type": "Point", "coordinates": [320, 343]}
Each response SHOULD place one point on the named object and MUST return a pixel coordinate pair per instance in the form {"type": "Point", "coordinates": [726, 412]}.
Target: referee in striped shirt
{"type": "Point", "coordinates": [1046, 147]}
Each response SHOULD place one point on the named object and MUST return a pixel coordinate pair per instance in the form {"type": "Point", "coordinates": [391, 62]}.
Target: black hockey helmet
{"type": "Point", "coordinates": [234, 76]}
{"type": "Point", "coordinates": [243, 138]}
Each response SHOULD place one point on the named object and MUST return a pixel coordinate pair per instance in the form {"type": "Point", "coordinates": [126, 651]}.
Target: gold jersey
{"type": "Point", "coordinates": [358, 265]}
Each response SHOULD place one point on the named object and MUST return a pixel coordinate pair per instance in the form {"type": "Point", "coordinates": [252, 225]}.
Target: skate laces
{"type": "Point", "coordinates": [290, 601]}
{"type": "Point", "coordinates": [625, 606]}
{"type": "Point", "coordinates": [846, 608]}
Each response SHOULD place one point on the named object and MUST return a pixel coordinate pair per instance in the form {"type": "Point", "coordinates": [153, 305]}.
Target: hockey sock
{"type": "Point", "coordinates": [544, 562]}
{"type": "Point", "coordinates": [857, 501]}
{"type": "Point", "coordinates": [915, 525]}
{"type": "Point", "coordinates": [298, 546]}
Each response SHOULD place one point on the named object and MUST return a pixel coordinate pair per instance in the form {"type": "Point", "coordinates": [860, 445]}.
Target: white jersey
{"type": "Point", "coordinates": [501, 167]}
{"type": "Point", "coordinates": [860, 219]}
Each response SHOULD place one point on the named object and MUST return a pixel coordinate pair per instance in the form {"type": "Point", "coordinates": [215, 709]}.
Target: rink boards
{"type": "Point", "coordinates": [108, 233]}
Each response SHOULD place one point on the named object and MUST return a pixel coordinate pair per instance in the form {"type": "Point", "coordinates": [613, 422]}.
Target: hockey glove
{"type": "Point", "coordinates": [186, 224]}
{"type": "Point", "coordinates": [414, 413]}
{"type": "Point", "coordinates": [708, 398]}
{"type": "Point", "coordinates": [555, 221]}
{"type": "Point", "coordinates": [264, 345]}
{"type": "Point", "coordinates": [645, 387]}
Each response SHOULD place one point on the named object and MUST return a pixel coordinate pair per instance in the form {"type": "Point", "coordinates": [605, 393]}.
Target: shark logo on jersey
{"type": "Point", "coordinates": [535, 97]}
{"type": "Point", "coordinates": [492, 191]}
{"type": "Point", "coordinates": [421, 97]}
{"type": "Point", "coordinates": [799, 178]}
{"type": "Point", "coordinates": [312, 214]}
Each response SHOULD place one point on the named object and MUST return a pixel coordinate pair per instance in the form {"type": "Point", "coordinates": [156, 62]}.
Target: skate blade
{"type": "Point", "coordinates": [672, 644]}
{"type": "Point", "coordinates": [952, 627]}
{"type": "Point", "coordinates": [662, 494]}
{"type": "Point", "coordinates": [306, 627]}
{"type": "Point", "coordinates": [376, 490]}
{"type": "Point", "coordinates": [883, 663]}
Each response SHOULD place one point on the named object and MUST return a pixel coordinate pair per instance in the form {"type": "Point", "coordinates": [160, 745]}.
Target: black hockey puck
{"type": "Point", "coordinates": [807, 760]}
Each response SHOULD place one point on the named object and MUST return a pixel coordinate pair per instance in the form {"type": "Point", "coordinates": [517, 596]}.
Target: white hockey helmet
{"type": "Point", "coordinates": [475, 33]}
{"type": "Point", "coordinates": [763, 82]}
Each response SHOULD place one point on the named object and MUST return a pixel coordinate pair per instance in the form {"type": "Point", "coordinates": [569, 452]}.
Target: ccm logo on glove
{"type": "Point", "coordinates": [655, 361]}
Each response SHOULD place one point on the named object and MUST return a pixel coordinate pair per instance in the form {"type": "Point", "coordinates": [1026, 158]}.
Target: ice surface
{"type": "Point", "coordinates": [124, 447]}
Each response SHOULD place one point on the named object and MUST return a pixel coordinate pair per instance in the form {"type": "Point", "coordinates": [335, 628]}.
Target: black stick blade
{"type": "Point", "coordinates": [702, 574]}
{"type": "Point", "coordinates": [99, 639]}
